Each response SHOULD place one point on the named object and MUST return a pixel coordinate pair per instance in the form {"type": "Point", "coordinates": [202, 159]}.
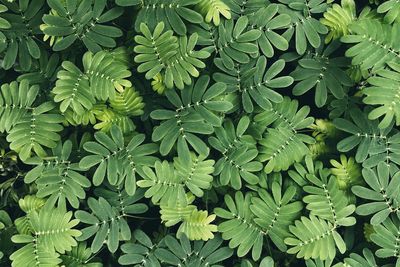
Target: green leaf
{"type": "Point", "coordinates": [314, 232]}
{"type": "Point", "coordinates": [60, 25]}
{"type": "Point", "coordinates": [382, 195]}
{"type": "Point", "coordinates": [239, 227]}
{"type": "Point", "coordinates": [175, 58]}
{"type": "Point", "coordinates": [115, 159]}
{"type": "Point", "coordinates": [194, 115]}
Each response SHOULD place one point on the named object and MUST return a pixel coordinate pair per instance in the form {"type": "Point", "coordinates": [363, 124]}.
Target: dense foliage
{"type": "Point", "coordinates": [199, 133]}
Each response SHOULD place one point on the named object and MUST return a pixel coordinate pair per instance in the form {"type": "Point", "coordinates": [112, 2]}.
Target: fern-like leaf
{"type": "Point", "coordinates": [366, 260]}
{"type": "Point", "coordinates": [347, 172]}
{"type": "Point", "coordinates": [270, 22]}
{"type": "Point", "coordinates": [58, 178]}
{"type": "Point", "coordinates": [172, 13]}
{"type": "Point", "coordinates": [236, 43]}
{"type": "Point", "coordinates": [387, 237]}
{"type": "Point", "coordinates": [28, 204]}
{"type": "Point", "coordinates": [60, 25]}
{"type": "Point", "coordinates": [338, 18]}
{"type": "Point", "coordinates": [107, 73]}
{"type": "Point", "coordinates": [185, 254]}
{"type": "Point", "coordinates": [129, 102]}
{"type": "Point", "coordinates": [15, 102]}
{"type": "Point", "coordinates": [373, 144]}
{"type": "Point", "coordinates": [168, 183]}
{"type": "Point", "coordinates": [79, 256]}
{"type": "Point", "coordinates": [281, 147]}
{"type": "Point", "coordinates": [304, 27]}
{"type": "Point", "coordinates": [107, 118]}
{"type": "Point", "coordinates": [322, 72]}
{"type": "Point", "coordinates": [239, 226]}
{"type": "Point", "coordinates": [197, 226]}
{"type": "Point", "coordinates": [286, 114]}
{"type": "Point", "coordinates": [18, 41]}
{"type": "Point", "coordinates": [212, 10]}
{"type": "Point", "coordinates": [175, 58]}
{"type": "Point", "coordinates": [383, 91]}
{"type": "Point", "coordinates": [141, 253]}
{"type": "Point", "coordinates": [36, 131]}
{"type": "Point", "coordinates": [173, 214]}
{"type": "Point", "coordinates": [52, 232]}
{"type": "Point", "coordinates": [392, 10]}
{"type": "Point", "coordinates": [195, 172]}
{"type": "Point", "coordinates": [72, 89]}
{"type": "Point", "coordinates": [238, 154]}
{"type": "Point", "coordinates": [275, 213]}
{"type": "Point", "coordinates": [374, 44]}
{"type": "Point", "coordinates": [311, 235]}
{"type": "Point", "coordinates": [114, 160]}
{"type": "Point", "coordinates": [85, 118]}
{"type": "Point", "coordinates": [43, 72]}
{"type": "Point", "coordinates": [33, 254]}
{"type": "Point", "coordinates": [326, 201]}
{"type": "Point", "coordinates": [255, 82]}
{"type": "Point", "coordinates": [193, 113]}
{"type": "Point", "coordinates": [383, 194]}
{"type": "Point", "coordinates": [107, 223]}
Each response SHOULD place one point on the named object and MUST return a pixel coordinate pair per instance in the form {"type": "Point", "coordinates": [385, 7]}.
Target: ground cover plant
{"type": "Point", "coordinates": [199, 133]}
